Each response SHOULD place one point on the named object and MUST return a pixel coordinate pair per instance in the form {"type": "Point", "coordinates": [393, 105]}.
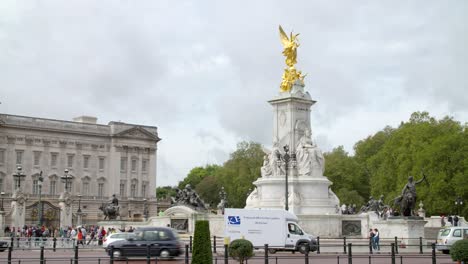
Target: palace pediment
{"type": "Point", "coordinates": [137, 132]}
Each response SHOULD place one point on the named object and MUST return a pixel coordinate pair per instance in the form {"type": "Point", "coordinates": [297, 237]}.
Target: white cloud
{"type": "Point", "coordinates": [203, 71]}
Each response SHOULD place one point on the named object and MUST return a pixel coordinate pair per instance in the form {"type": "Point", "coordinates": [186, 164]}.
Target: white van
{"type": "Point", "coordinates": [449, 235]}
{"type": "Point", "coordinates": [276, 227]}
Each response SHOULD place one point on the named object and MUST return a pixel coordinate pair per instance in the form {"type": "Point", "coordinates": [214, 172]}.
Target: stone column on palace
{"type": "Point", "coordinates": [2, 223]}
{"type": "Point", "coordinates": [66, 214]}
{"type": "Point", "coordinates": [18, 209]}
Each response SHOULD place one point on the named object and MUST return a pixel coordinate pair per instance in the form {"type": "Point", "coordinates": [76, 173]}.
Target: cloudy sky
{"type": "Point", "coordinates": [202, 71]}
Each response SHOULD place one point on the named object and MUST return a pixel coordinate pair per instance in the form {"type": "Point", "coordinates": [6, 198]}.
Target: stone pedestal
{"type": "Point", "coordinates": [65, 203]}
{"type": "Point", "coordinates": [408, 231]}
{"type": "Point", "coordinates": [308, 189]}
{"type": "Point", "coordinates": [18, 209]}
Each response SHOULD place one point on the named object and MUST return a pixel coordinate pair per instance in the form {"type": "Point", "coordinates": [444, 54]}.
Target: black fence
{"type": "Point", "coordinates": [82, 255]}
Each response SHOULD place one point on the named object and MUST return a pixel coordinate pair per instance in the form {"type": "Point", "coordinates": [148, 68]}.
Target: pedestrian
{"type": "Point", "coordinates": [455, 220]}
{"type": "Point", "coordinates": [442, 221]}
{"type": "Point", "coordinates": [376, 239]}
{"type": "Point", "coordinates": [79, 237]}
{"type": "Point", "coordinates": [91, 236]}
{"type": "Point", "coordinates": [371, 238]}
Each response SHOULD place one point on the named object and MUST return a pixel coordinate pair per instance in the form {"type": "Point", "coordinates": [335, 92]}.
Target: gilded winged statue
{"type": "Point", "coordinates": [290, 45]}
{"type": "Point", "coordinates": [290, 75]}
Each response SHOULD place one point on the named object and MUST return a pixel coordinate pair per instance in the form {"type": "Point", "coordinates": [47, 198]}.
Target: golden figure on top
{"type": "Point", "coordinates": [290, 74]}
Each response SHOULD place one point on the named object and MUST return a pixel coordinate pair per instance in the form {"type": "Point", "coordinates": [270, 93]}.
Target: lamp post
{"type": "Point", "coordinates": [39, 210]}
{"type": "Point", "coordinates": [2, 194]}
{"type": "Point", "coordinates": [458, 203]}
{"type": "Point", "coordinates": [79, 204]}
{"type": "Point", "coordinates": [286, 158]}
{"type": "Point", "coordinates": [18, 176]}
{"type": "Point", "coordinates": [66, 178]}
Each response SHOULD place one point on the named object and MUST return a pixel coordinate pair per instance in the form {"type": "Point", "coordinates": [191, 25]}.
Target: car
{"type": "Point", "coordinates": [115, 237]}
{"type": "Point", "coordinates": [4, 245]}
{"type": "Point", "coordinates": [449, 235]}
{"type": "Point", "coordinates": [159, 241]}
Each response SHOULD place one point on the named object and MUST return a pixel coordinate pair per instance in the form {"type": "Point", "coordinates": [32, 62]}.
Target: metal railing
{"type": "Point", "coordinates": [150, 253]}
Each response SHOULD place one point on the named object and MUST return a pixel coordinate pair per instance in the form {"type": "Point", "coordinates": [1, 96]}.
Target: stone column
{"type": "Point", "coordinates": [65, 203]}
{"type": "Point", "coordinates": [2, 223]}
{"type": "Point", "coordinates": [18, 209]}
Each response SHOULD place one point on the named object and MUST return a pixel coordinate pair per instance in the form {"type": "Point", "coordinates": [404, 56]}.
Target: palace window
{"type": "Point", "coordinates": [19, 157]}
{"type": "Point", "coordinates": [143, 165]}
{"type": "Point", "coordinates": [134, 165]}
{"type": "Point", "coordinates": [37, 158]}
{"type": "Point", "coordinates": [53, 186]}
{"type": "Point", "coordinates": [70, 160]}
{"type": "Point", "coordinates": [133, 190]}
{"type": "Point", "coordinates": [143, 190]}
{"type": "Point", "coordinates": [69, 186]}
{"type": "Point", "coordinates": [53, 159]}
{"type": "Point", "coordinates": [100, 190]}
{"type": "Point", "coordinates": [122, 189]}
{"type": "Point", "coordinates": [1, 184]}
{"type": "Point", "coordinates": [35, 189]}
{"type": "Point", "coordinates": [85, 188]}
{"type": "Point", "coordinates": [2, 156]}
{"type": "Point", "coordinates": [123, 163]}
{"type": "Point", "coordinates": [101, 163]}
{"type": "Point", "coordinates": [85, 162]}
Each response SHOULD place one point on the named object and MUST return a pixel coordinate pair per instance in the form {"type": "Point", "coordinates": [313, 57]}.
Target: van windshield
{"type": "Point", "coordinates": [445, 232]}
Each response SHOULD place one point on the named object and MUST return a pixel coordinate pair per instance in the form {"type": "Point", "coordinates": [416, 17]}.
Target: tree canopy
{"type": "Point", "coordinates": [381, 165]}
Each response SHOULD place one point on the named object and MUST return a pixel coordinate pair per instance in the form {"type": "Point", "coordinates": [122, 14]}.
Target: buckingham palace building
{"type": "Point", "coordinates": [97, 161]}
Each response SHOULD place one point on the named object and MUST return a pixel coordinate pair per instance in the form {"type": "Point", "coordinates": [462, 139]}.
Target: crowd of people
{"type": "Point", "coordinates": [83, 235]}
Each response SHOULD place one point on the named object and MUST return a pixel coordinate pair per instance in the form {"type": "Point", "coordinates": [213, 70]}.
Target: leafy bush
{"type": "Point", "coordinates": [202, 244]}
{"type": "Point", "coordinates": [241, 249]}
{"type": "Point", "coordinates": [459, 250]}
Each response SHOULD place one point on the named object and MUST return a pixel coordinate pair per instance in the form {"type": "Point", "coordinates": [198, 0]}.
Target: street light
{"type": "Point", "coordinates": [2, 194]}
{"type": "Point", "coordinates": [79, 204]}
{"type": "Point", "coordinates": [66, 178]}
{"type": "Point", "coordinates": [286, 158]}
{"type": "Point", "coordinates": [459, 203]}
{"type": "Point", "coordinates": [40, 181]}
{"type": "Point", "coordinates": [18, 176]}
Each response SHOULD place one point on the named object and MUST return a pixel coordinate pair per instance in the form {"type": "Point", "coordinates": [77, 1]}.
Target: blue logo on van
{"type": "Point", "coordinates": [234, 220]}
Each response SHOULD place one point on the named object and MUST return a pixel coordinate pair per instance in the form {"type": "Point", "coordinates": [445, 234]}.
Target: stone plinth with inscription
{"type": "Point", "coordinates": [309, 192]}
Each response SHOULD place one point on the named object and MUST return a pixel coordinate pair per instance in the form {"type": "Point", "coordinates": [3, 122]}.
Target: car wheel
{"type": "Point", "coordinates": [164, 253]}
{"type": "Point", "coordinates": [303, 248]}
{"type": "Point", "coordinates": [272, 250]}
{"type": "Point", "coordinates": [117, 254]}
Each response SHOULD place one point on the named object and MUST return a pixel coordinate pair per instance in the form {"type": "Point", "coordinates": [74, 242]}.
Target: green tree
{"type": "Point", "coordinates": [202, 243]}
{"type": "Point", "coordinates": [208, 189]}
{"type": "Point", "coordinates": [348, 183]}
{"type": "Point", "coordinates": [240, 171]}
{"type": "Point", "coordinates": [197, 174]}
{"type": "Point", "coordinates": [165, 192]}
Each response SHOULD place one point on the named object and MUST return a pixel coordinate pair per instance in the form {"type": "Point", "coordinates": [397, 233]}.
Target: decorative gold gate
{"type": "Point", "coordinates": [50, 214]}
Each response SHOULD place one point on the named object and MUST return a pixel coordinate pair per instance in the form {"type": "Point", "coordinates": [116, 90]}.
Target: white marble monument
{"type": "Point", "coordinates": [18, 208]}
{"type": "Point", "coordinates": [309, 190]}
{"type": "Point", "coordinates": [66, 215]}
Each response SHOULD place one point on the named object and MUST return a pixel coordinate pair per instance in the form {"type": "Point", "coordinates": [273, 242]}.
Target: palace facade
{"type": "Point", "coordinates": [102, 160]}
